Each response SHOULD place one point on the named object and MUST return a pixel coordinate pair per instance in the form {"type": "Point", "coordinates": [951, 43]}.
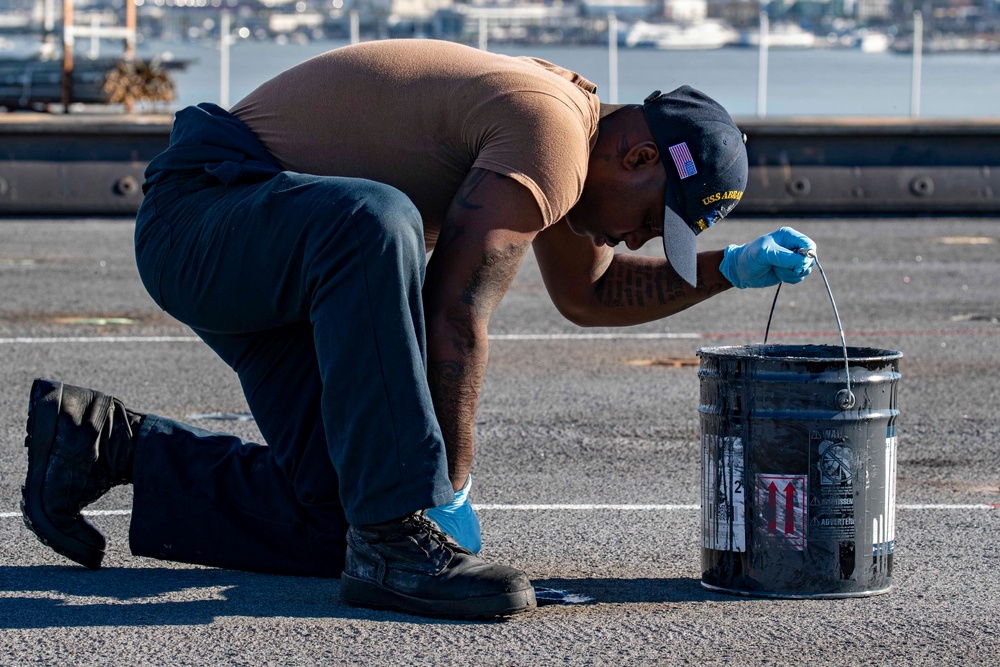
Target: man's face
{"type": "Point", "coordinates": [628, 210]}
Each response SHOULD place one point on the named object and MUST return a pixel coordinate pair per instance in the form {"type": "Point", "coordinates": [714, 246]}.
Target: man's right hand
{"type": "Point", "coordinates": [778, 257]}
{"type": "Point", "coordinates": [459, 520]}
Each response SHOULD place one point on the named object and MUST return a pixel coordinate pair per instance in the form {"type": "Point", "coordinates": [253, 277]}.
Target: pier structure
{"type": "Point", "coordinates": [94, 164]}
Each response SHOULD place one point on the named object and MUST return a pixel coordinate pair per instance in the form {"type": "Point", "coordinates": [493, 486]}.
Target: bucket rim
{"type": "Point", "coordinates": [868, 354]}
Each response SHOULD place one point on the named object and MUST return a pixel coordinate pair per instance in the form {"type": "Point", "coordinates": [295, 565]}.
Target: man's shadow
{"type": "Point", "coordinates": [69, 596]}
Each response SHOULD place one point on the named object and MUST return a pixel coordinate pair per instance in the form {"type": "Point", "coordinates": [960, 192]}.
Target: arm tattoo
{"type": "Point", "coordinates": [455, 383]}
{"type": "Point", "coordinates": [469, 186]}
{"type": "Point", "coordinates": [630, 284]}
{"type": "Point", "coordinates": [483, 291]}
{"type": "Point", "coordinates": [458, 355]}
{"type": "Point", "coordinates": [493, 277]}
{"type": "Point", "coordinates": [463, 334]}
{"type": "Point", "coordinates": [455, 390]}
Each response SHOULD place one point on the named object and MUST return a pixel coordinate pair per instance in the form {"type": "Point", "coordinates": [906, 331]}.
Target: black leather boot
{"type": "Point", "coordinates": [81, 443]}
{"type": "Point", "coordinates": [410, 565]}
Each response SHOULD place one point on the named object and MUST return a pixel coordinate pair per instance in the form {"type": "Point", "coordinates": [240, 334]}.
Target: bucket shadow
{"type": "Point", "coordinates": [625, 591]}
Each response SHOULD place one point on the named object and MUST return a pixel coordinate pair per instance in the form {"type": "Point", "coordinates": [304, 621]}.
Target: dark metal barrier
{"type": "Point", "coordinates": [76, 165]}
{"type": "Point", "coordinates": [872, 166]}
{"type": "Point", "coordinates": [93, 165]}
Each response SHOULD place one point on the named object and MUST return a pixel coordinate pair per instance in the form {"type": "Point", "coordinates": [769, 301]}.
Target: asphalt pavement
{"type": "Point", "coordinates": [587, 473]}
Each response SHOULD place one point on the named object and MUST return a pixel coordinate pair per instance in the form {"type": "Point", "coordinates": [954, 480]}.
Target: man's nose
{"type": "Point", "coordinates": [637, 239]}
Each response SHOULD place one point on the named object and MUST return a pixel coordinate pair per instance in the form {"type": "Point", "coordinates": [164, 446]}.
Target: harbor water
{"type": "Point", "coordinates": [801, 82]}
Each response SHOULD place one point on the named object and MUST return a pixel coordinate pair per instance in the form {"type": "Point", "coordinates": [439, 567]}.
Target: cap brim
{"type": "Point", "coordinates": [680, 245]}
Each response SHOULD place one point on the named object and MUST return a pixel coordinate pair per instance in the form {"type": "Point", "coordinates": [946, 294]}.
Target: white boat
{"type": "Point", "coordinates": [781, 35]}
{"type": "Point", "coordinates": [707, 34]}
{"type": "Point", "coordinates": [873, 42]}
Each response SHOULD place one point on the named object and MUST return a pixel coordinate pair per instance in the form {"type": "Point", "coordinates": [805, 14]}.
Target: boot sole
{"type": "Point", "coordinates": [362, 593]}
{"type": "Point", "coordinates": [43, 415]}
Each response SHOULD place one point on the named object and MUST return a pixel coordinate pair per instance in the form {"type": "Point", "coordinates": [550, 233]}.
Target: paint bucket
{"type": "Point", "coordinates": [798, 470]}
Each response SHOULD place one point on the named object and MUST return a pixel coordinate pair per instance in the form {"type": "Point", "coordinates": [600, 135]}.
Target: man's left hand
{"type": "Point", "coordinates": [780, 256]}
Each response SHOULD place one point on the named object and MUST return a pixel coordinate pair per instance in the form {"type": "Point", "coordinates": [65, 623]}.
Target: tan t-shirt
{"type": "Point", "coordinates": [419, 114]}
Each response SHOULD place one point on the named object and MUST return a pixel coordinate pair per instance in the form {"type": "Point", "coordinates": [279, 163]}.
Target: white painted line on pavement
{"type": "Point", "coordinates": [194, 339]}
{"type": "Point", "coordinates": [597, 336]}
{"type": "Point", "coordinates": [974, 506]}
{"type": "Point", "coordinates": [99, 339]}
{"type": "Point", "coordinates": [13, 515]}
{"type": "Point", "coordinates": [589, 507]}
{"type": "Point", "coordinates": [584, 507]}
{"type": "Point", "coordinates": [668, 508]}
{"type": "Point", "coordinates": [54, 340]}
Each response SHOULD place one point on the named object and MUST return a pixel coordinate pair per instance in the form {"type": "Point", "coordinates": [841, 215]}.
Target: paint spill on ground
{"type": "Point", "coordinates": [966, 240]}
{"type": "Point", "coordinates": [223, 416]}
{"type": "Point", "coordinates": [977, 317]}
{"type": "Point", "coordinates": [550, 596]}
{"type": "Point", "coordinates": [675, 362]}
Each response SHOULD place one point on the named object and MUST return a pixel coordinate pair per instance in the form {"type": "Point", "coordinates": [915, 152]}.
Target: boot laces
{"type": "Point", "coordinates": [428, 536]}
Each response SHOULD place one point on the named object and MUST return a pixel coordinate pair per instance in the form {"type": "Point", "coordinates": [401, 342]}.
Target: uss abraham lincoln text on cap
{"type": "Point", "coordinates": [705, 158]}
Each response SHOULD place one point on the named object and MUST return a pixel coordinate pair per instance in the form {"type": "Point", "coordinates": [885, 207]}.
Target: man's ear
{"type": "Point", "coordinates": [642, 154]}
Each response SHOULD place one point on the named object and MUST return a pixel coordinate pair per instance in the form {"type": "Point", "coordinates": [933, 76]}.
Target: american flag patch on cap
{"type": "Point", "coordinates": [683, 160]}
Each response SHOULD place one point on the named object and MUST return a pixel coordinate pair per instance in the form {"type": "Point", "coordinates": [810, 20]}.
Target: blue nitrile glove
{"type": "Point", "coordinates": [773, 258]}
{"type": "Point", "coordinates": [459, 520]}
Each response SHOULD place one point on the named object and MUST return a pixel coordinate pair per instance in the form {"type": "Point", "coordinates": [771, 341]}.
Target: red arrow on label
{"type": "Point", "coordinates": [786, 520]}
{"type": "Point", "coordinates": [772, 504]}
{"type": "Point", "coordinates": [789, 509]}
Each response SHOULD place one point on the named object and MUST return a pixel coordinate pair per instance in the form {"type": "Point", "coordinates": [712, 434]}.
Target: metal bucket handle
{"type": "Point", "coordinates": [845, 399]}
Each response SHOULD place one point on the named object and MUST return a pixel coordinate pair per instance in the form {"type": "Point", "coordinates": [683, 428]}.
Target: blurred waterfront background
{"type": "Point", "coordinates": [813, 82]}
{"type": "Point", "coordinates": [824, 57]}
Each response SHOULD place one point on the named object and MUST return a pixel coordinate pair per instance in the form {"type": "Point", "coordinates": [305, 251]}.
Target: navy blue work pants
{"type": "Point", "coordinates": [309, 287]}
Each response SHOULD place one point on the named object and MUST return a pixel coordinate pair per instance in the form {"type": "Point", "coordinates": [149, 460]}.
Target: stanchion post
{"type": "Point", "coordinates": [130, 29]}
{"type": "Point", "coordinates": [764, 37]}
{"type": "Point", "coordinates": [918, 53]}
{"type": "Point", "coordinates": [612, 58]}
{"type": "Point", "coordinates": [355, 27]}
{"type": "Point", "coordinates": [67, 64]}
{"type": "Point", "coordinates": [224, 28]}
{"type": "Point", "coordinates": [95, 37]}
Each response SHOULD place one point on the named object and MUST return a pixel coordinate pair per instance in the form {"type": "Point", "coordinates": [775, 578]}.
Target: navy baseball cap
{"type": "Point", "coordinates": [705, 158]}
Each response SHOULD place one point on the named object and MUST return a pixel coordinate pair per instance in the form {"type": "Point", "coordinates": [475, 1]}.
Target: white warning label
{"type": "Point", "coordinates": [884, 525]}
{"type": "Point", "coordinates": [723, 502]}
